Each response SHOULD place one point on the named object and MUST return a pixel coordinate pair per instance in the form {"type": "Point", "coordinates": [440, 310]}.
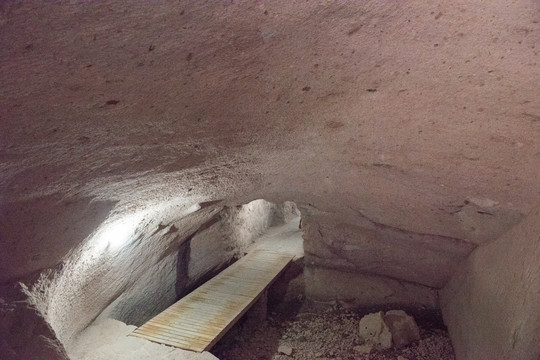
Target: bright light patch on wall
{"type": "Point", "coordinates": [117, 233]}
{"type": "Point", "coordinates": [192, 209]}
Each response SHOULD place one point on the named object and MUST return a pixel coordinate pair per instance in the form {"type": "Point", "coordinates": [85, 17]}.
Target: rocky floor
{"type": "Point", "coordinates": [317, 334]}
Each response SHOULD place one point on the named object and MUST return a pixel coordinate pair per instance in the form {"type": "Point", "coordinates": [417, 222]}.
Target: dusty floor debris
{"type": "Point", "coordinates": [326, 334]}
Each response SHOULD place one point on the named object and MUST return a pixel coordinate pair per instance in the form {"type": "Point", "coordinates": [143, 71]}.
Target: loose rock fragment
{"type": "Point", "coordinates": [402, 327]}
{"type": "Point", "coordinates": [285, 349]}
{"type": "Point", "coordinates": [374, 330]}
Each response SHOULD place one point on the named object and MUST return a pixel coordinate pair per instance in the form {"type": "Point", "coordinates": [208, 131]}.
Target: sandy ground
{"type": "Point", "coordinates": [109, 340]}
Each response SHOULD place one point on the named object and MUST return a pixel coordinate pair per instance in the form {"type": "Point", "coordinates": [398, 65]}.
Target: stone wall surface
{"type": "Point", "coordinates": [25, 333]}
{"type": "Point", "coordinates": [491, 305]}
{"type": "Point", "coordinates": [357, 291]}
{"type": "Point", "coordinates": [377, 249]}
{"type": "Point", "coordinates": [163, 256]}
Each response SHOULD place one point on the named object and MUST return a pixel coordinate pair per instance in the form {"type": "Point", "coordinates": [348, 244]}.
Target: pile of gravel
{"type": "Point", "coordinates": [329, 334]}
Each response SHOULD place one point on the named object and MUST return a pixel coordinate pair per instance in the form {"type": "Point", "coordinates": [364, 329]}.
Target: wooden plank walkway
{"type": "Point", "coordinates": [199, 320]}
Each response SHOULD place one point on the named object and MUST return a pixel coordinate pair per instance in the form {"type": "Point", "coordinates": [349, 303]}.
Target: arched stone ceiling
{"type": "Point", "coordinates": [421, 116]}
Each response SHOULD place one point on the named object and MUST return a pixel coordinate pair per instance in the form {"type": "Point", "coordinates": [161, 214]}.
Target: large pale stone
{"type": "Point", "coordinates": [373, 329]}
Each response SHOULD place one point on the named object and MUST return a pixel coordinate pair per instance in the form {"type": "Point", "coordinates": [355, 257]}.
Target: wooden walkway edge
{"type": "Point", "coordinates": [199, 320]}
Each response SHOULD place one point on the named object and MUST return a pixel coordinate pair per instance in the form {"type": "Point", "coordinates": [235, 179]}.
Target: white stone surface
{"type": "Point", "coordinates": [373, 330]}
{"type": "Point", "coordinates": [108, 339]}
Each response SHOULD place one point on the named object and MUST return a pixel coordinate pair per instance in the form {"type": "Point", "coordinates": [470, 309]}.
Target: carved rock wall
{"type": "Point", "coordinates": [491, 304]}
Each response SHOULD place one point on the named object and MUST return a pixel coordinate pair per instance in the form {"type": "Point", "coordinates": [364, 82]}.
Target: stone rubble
{"type": "Point", "coordinates": [393, 328]}
{"type": "Point", "coordinates": [324, 335]}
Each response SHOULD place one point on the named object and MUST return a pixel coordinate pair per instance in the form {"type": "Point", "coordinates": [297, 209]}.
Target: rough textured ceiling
{"type": "Point", "coordinates": [420, 116]}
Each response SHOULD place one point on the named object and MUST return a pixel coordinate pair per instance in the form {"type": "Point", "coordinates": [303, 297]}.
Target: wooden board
{"type": "Point", "coordinates": [199, 320]}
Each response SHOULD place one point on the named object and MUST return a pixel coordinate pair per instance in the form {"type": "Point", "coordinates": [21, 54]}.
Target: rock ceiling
{"type": "Point", "coordinates": [422, 117]}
